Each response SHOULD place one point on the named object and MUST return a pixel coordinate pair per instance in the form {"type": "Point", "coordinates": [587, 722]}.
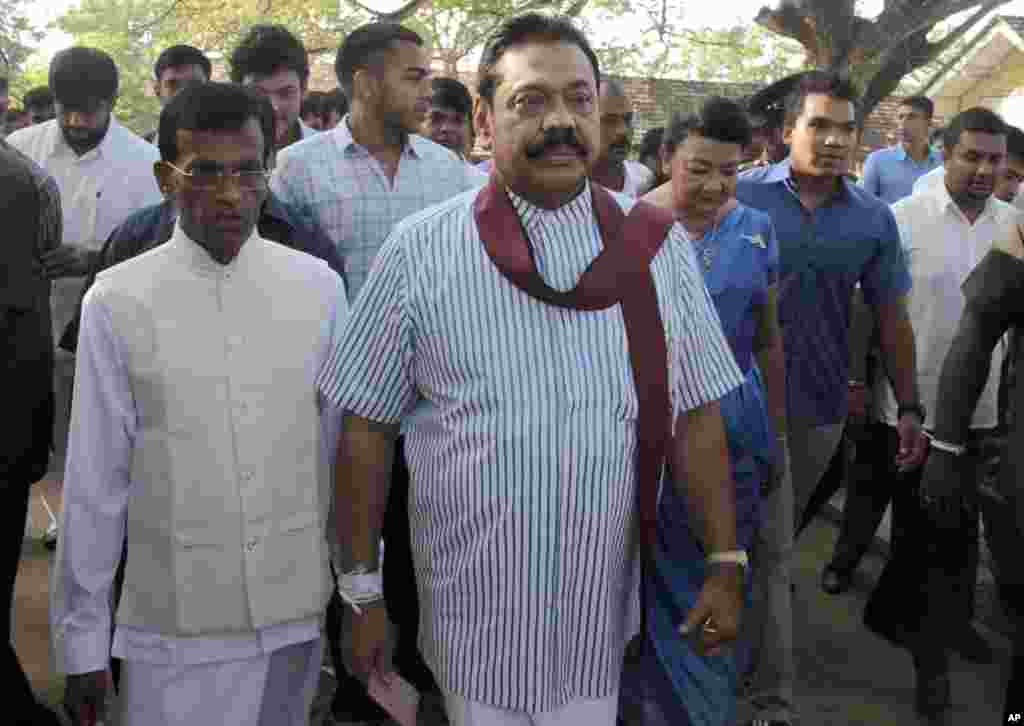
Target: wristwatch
{"type": "Point", "coordinates": [730, 557]}
{"type": "Point", "coordinates": [916, 408]}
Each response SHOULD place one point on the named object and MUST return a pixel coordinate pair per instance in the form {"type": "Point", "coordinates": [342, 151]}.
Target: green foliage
{"type": "Point", "coordinates": [17, 35]}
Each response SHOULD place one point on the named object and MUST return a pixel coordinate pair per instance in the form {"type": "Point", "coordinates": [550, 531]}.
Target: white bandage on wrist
{"type": "Point", "coordinates": [954, 449]}
{"type": "Point", "coordinates": [360, 587]}
{"type": "Point", "coordinates": [730, 557]}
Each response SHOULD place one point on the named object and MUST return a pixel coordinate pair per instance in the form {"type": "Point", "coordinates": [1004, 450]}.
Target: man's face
{"type": "Point", "coordinates": [912, 125]}
{"type": "Point", "coordinates": [83, 124]}
{"type": "Point", "coordinates": [219, 214]}
{"type": "Point", "coordinates": [822, 137]}
{"type": "Point", "coordinates": [616, 127]}
{"type": "Point", "coordinates": [174, 78]}
{"type": "Point", "coordinates": [402, 88]}
{"type": "Point", "coordinates": [284, 89]}
{"type": "Point", "coordinates": [447, 127]}
{"type": "Point", "coordinates": [41, 114]}
{"type": "Point", "coordinates": [704, 174]}
{"type": "Point", "coordinates": [544, 124]}
{"type": "Point", "coordinates": [974, 165]}
{"type": "Point", "coordinates": [1008, 183]}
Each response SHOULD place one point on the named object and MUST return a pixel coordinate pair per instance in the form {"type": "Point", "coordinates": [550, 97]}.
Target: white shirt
{"type": "Point", "coordinates": [942, 248]}
{"type": "Point", "coordinates": [639, 179]}
{"type": "Point", "coordinates": [105, 423]}
{"type": "Point", "coordinates": [935, 178]}
{"type": "Point", "coordinates": [522, 448]}
{"type": "Point", "coordinates": [98, 191]}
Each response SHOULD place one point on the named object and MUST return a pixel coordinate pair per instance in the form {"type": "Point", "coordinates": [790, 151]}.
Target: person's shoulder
{"type": "Point", "coordinates": [883, 154]}
{"type": "Point", "coordinates": [863, 200]}
{"type": "Point", "coordinates": [292, 262]}
{"type": "Point", "coordinates": [309, 148]}
{"type": "Point", "coordinates": [435, 152]}
{"type": "Point", "coordinates": [133, 147]}
{"type": "Point", "coordinates": [132, 272]}
{"type": "Point", "coordinates": [424, 224]}
{"type": "Point", "coordinates": [17, 165]}
{"type": "Point", "coordinates": [30, 139]}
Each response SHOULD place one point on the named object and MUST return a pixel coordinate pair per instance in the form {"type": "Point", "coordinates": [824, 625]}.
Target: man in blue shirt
{"type": "Point", "coordinates": [832, 236]}
{"type": "Point", "coordinates": [890, 173]}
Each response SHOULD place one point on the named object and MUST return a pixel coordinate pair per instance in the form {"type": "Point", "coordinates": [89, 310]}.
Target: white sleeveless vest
{"type": "Point", "coordinates": [228, 506]}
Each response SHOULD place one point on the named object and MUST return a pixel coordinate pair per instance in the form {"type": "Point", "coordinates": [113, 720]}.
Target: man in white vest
{"type": "Point", "coordinates": [198, 430]}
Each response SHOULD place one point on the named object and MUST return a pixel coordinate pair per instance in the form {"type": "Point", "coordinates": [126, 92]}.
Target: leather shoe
{"type": "Point", "coordinates": [834, 581]}
{"type": "Point", "coordinates": [972, 646]}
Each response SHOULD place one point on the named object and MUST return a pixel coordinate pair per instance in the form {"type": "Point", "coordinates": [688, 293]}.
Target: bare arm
{"type": "Point", "coordinates": [771, 359]}
{"type": "Point", "coordinates": [896, 339]}
{"type": "Point", "coordinates": [700, 456]}
{"type": "Point", "coordinates": [362, 478]}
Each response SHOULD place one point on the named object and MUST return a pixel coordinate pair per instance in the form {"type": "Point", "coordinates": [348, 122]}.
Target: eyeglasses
{"type": "Point", "coordinates": [207, 179]}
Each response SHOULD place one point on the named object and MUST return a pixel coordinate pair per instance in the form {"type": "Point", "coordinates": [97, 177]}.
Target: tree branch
{"type": "Point", "coordinates": [904, 18]}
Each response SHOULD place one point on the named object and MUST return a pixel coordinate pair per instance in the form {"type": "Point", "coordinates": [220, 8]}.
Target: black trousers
{"type": "Point", "coordinates": [926, 590]}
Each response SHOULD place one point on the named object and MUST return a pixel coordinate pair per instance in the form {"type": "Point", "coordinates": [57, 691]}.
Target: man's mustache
{"type": "Point", "coordinates": [562, 136]}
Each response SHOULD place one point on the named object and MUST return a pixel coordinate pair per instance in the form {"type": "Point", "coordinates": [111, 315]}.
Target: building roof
{"type": "Point", "coordinates": [984, 54]}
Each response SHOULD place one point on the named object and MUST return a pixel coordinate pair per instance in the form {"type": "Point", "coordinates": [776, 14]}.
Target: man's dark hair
{"type": "Point", "coordinates": [650, 144]}
{"type": "Point", "coordinates": [336, 100]}
{"type": "Point", "coordinates": [1015, 142]}
{"type": "Point", "coordinates": [978, 120]}
{"type": "Point", "coordinates": [38, 97]}
{"type": "Point", "coordinates": [267, 49]}
{"type": "Point", "coordinates": [920, 103]}
{"type": "Point", "coordinates": [452, 94]}
{"type": "Point", "coordinates": [213, 107]}
{"type": "Point", "coordinates": [520, 30]}
{"type": "Point", "coordinates": [364, 46]}
{"type": "Point", "coordinates": [80, 76]}
{"type": "Point", "coordinates": [719, 119]}
{"type": "Point", "coordinates": [182, 55]}
{"type": "Point", "coordinates": [819, 83]}
{"type": "Point", "coordinates": [313, 103]}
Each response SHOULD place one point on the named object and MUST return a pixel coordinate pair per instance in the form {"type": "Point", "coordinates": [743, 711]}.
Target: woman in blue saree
{"type": "Point", "coordinates": [672, 682]}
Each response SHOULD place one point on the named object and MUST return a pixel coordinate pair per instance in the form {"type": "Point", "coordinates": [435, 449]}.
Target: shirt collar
{"type": "Point", "coordinates": [941, 193]}
{"type": "Point", "coordinates": [535, 218]}
{"type": "Point", "coordinates": [104, 148]}
{"type": "Point", "coordinates": [783, 172]}
{"type": "Point", "coordinates": [199, 260]}
{"type": "Point", "coordinates": [350, 147]}
{"type": "Point", "coordinates": [902, 155]}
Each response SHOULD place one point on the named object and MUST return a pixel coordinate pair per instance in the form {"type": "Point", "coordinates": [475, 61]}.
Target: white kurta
{"type": "Point", "coordinates": [521, 441]}
{"type": "Point", "coordinates": [942, 248]}
{"type": "Point", "coordinates": [106, 424]}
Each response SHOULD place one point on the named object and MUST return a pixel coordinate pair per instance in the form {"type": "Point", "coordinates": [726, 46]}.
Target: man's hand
{"type": "Point", "coordinates": [369, 642]}
{"type": "Point", "coordinates": [913, 443]}
{"type": "Point", "coordinates": [714, 620]}
{"type": "Point", "coordinates": [85, 697]}
{"type": "Point", "coordinates": [942, 490]}
{"type": "Point", "coordinates": [69, 260]}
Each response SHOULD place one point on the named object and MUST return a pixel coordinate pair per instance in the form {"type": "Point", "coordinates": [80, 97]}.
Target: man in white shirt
{"type": "Point", "coordinates": [612, 169]}
{"type": "Point", "coordinates": [945, 232]}
{"type": "Point", "coordinates": [104, 173]}
{"type": "Point", "coordinates": [197, 429]}
{"type": "Point", "coordinates": [1007, 184]}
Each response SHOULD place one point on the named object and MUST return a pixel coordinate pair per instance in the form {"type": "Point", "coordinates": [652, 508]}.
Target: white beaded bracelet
{"type": "Point", "coordinates": [954, 449]}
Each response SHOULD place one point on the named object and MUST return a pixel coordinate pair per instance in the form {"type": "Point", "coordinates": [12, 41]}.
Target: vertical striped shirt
{"type": "Point", "coordinates": [521, 442]}
{"type": "Point", "coordinates": [335, 184]}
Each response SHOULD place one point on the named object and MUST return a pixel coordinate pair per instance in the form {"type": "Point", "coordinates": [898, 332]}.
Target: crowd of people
{"type": "Point", "coordinates": [537, 433]}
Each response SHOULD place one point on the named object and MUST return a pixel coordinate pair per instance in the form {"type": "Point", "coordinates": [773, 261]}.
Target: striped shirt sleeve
{"type": "Point", "coordinates": [369, 371]}
{"type": "Point", "coordinates": [705, 369]}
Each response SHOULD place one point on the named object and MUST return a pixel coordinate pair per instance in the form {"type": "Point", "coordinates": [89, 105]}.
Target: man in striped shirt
{"type": "Point", "coordinates": [521, 418]}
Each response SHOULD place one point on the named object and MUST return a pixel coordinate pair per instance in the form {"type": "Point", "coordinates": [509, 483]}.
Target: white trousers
{"type": "Point", "coordinates": [267, 690]}
{"type": "Point", "coordinates": [600, 712]}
